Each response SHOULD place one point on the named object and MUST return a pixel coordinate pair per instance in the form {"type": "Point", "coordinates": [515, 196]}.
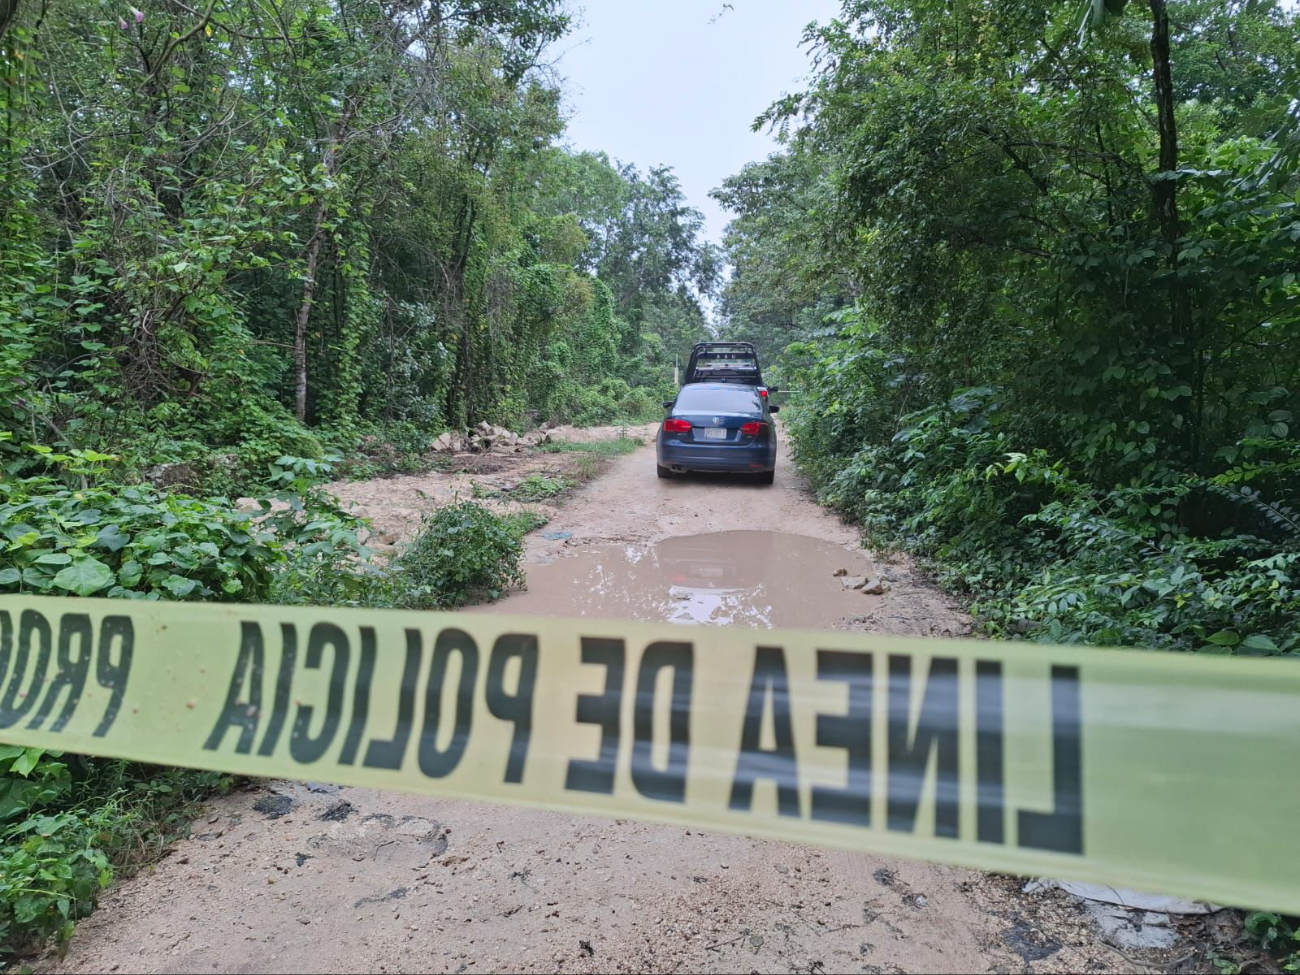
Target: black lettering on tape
{"type": "Point", "coordinates": [850, 731]}
{"type": "Point", "coordinates": [69, 673]}
{"type": "Point", "coordinates": [1062, 829]}
{"type": "Point", "coordinates": [990, 817]}
{"type": "Point", "coordinates": [389, 753]}
{"type": "Point", "coordinates": [909, 756]}
{"type": "Point", "coordinates": [434, 762]}
{"type": "Point", "coordinates": [587, 775]}
{"type": "Point", "coordinates": [114, 676]}
{"type": "Point", "coordinates": [303, 745]}
{"type": "Point", "coordinates": [669, 783]}
{"type": "Point", "coordinates": [241, 711]}
{"type": "Point", "coordinates": [283, 688]}
{"type": "Point", "coordinates": [17, 702]}
{"type": "Point", "coordinates": [517, 708]}
{"type": "Point", "coordinates": [756, 763]}
{"type": "Point", "coordinates": [6, 643]}
{"type": "Point", "coordinates": [360, 697]}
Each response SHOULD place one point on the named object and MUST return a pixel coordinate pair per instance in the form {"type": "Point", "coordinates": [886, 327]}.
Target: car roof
{"type": "Point", "coordinates": [753, 386]}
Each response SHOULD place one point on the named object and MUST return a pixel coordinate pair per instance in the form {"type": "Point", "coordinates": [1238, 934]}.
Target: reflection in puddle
{"type": "Point", "coordinates": [748, 578]}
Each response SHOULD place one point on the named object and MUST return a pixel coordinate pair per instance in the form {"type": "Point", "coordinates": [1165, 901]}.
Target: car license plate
{"type": "Point", "coordinates": [715, 433]}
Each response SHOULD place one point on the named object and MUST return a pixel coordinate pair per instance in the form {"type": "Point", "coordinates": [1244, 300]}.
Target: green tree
{"type": "Point", "coordinates": [1073, 333]}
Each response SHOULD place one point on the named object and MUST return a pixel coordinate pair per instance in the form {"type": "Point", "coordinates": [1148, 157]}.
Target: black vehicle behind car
{"type": "Point", "coordinates": [724, 362]}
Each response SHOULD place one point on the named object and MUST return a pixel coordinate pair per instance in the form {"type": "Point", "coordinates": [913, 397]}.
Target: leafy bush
{"type": "Point", "coordinates": [226, 448]}
{"type": "Point", "coordinates": [1278, 935]}
{"type": "Point", "coordinates": [139, 543]}
{"type": "Point", "coordinates": [609, 401]}
{"type": "Point", "coordinates": [463, 552]}
{"type": "Point", "coordinates": [130, 543]}
{"type": "Point", "coordinates": [1043, 554]}
{"type": "Point", "coordinates": [59, 845]}
{"type": "Point", "coordinates": [388, 449]}
{"type": "Point", "coordinates": [641, 404]}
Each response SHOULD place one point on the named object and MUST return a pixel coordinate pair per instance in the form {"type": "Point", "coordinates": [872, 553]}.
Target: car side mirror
{"type": "Point", "coordinates": [774, 409]}
{"type": "Point", "coordinates": [774, 389]}
{"type": "Point", "coordinates": [668, 404]}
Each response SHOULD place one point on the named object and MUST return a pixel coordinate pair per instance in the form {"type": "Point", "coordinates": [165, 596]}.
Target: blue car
{"type": "Point", "coordinates": [722, 427]}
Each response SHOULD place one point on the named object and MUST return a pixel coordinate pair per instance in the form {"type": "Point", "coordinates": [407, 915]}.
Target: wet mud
{"type": "Point", "coordinates": [733, 578]}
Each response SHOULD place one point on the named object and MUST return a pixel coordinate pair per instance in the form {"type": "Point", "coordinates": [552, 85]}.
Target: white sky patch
{"type": "Point", "coordinates": [679, 82]}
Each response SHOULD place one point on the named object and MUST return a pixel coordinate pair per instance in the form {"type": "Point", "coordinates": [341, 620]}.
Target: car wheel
{"type": "Point", "coordinates": [664, 472]}
{"type": "Point", "coordinates": [767, 477]}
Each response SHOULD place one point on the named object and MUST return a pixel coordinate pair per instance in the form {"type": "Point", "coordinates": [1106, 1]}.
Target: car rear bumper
{"type": "Point", "coordinates": [755, 457]}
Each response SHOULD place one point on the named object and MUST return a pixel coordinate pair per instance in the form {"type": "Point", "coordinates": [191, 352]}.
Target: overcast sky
{"type": "Point", "coordinates": [653, 81]}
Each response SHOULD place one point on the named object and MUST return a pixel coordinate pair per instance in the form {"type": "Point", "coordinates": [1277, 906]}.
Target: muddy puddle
{"type": "Point", "coordinates": [743, 578]}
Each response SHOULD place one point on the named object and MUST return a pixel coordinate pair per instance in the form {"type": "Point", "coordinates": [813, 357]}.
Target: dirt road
{"type": "Point", "coordinates": [312, 878]}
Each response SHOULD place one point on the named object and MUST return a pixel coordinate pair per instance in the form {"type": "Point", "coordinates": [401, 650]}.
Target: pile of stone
{"type": "Point", "coordinates": [864, 584]}
{"type": "Point", "coordinates": [488, 437]}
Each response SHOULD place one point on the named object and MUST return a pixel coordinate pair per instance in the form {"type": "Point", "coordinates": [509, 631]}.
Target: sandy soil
{"type": "Point", "coordinates": [312, 878]}
{"type": "Point", "coordinates": [394, 505]}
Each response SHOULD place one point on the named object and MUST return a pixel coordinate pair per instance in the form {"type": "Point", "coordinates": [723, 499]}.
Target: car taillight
{"type": "Point", "coordinates": [753, 429]}
{"type": "Point", "coordinates": [675, 425]}
{"type": "Point", "coordinates": [763, 393]}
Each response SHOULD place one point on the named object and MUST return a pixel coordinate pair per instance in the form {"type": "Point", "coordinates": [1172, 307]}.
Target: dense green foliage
{"type": "Point", "coordinates": [1031, 268]}
{"type": "Point", "coordinates": [216, 218]}
{"type": "Point", "coordinates": [1063, 346]}
{"type": "Point", "coordinates": [783, 283]}
{"type": "Point", "coordinates": [243, 243]}
{"type": "Point", "coordinates": [86, 818]}
{"type": "Point", "coordinates": [137, 542]}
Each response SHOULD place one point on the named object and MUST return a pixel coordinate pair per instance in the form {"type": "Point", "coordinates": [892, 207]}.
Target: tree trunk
{"type": "Point", "coordinates": [330, 162]}
{"type": "Point", "coordinates": [1166, 190]}
{"type": "Point", "coordinates": [304, 314]}
{"type": "Point", "coordinates": [8, 14]}
{"type": "Point", "coordinates": [1165, 197]}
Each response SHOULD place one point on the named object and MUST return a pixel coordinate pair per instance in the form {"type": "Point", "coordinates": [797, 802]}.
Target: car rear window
{"type": "Point", "coordinates": [737, 400]}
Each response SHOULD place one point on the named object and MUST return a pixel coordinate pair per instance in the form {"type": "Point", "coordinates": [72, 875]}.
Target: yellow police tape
{"type": "Point", "coordinates": [1155, 771]}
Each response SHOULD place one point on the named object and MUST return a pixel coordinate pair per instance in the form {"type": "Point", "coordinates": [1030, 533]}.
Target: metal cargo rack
{"type": "Point", "coordinates": [727, 362]}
